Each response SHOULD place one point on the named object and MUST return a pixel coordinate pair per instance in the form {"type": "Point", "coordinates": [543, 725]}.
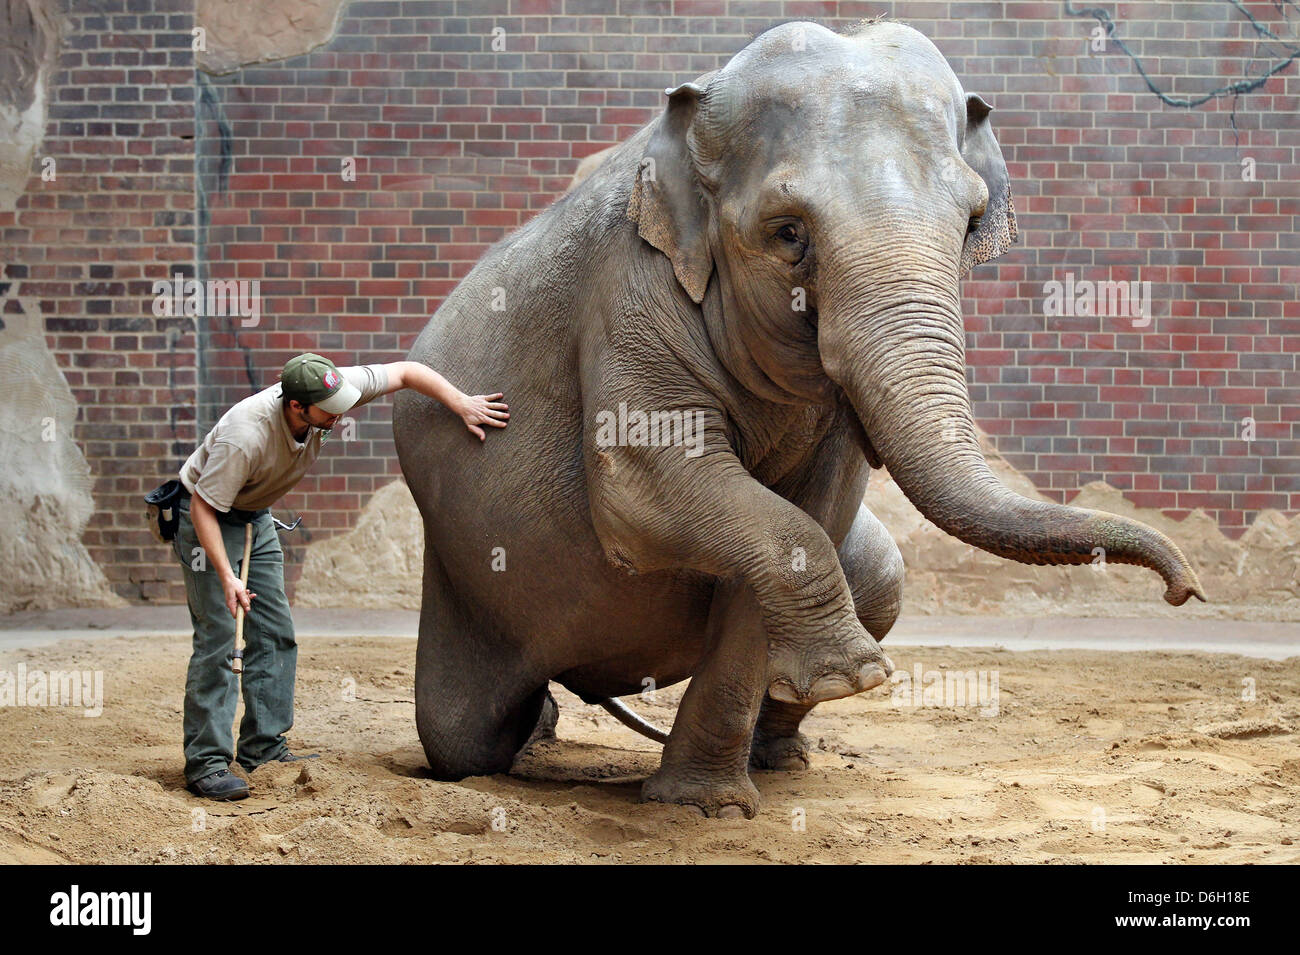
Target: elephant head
{"type": "Point", "coordinates": [819, 198]}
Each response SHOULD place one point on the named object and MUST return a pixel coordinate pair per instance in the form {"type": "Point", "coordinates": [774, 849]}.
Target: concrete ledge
{"type": "Point", "coordinates": [1273, 641]}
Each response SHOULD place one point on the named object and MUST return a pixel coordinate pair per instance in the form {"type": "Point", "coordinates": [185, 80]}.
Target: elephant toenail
{"type": "Point", "coordinates": [831, 687]}
{"type": "Point", "coordinates": [731, 812]}
{"type": "Point", "coordinates": [784, 692]}
{"type": "Point", "coordinates": [871, 675]}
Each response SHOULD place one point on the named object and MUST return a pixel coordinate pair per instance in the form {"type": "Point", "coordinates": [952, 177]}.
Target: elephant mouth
{"type": "Point", "coordinates": [868, 449]}
{"type": "Point", "coordinates": [873, 458]}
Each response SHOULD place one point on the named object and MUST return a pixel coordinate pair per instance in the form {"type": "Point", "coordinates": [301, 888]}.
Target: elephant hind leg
{"type": "Point", "coordinates": [475, 708]}
{"type": "Point", "coordinates": [548, 715]}
{"type": "Point", "coordinates": [874, 569]}
{"type": "Point", "coordinates": [778, 744]}
{"type": "Point", "coordinates": [470, 726]}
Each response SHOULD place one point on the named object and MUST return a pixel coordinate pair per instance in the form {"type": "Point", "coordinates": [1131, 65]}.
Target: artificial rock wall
{"type": "Point", "coordinates": [1254, 577]}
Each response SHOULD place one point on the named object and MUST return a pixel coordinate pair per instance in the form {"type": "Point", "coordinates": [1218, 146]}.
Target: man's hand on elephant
{"type": "Point", "coordinates": [477, 410]}
{"type": "Point", "coordinates": [474, 410]}
{"type": "Point", "coordinates": [236, 594]}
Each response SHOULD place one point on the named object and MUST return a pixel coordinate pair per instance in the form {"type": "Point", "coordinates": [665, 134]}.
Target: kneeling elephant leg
{"type": "Point", "coordinates": [874, 569]}
{"type": "Point", "coordinates": [475, 706]}
{"type": "Point", "coordinates": [778, 744]}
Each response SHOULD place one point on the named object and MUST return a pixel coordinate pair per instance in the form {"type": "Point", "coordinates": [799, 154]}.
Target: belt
{"type": "Point", "coordinates": [235, 516]}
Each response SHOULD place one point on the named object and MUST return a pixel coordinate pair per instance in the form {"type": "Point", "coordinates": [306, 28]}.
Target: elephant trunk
{"type": "Point", "coordinates": [897, 348]}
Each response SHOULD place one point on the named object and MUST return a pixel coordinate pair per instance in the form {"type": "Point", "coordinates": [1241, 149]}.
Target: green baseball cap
{"type": "Point", "coordinates": [315, 380]}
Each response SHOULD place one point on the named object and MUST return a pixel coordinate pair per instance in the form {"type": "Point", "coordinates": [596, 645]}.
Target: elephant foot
{"type": "Point", "coordinates": [722, 799]}
{"type": "Point", "coordinates": [787, 754]}
{"type": "Point", "coordinates": [829, 671]}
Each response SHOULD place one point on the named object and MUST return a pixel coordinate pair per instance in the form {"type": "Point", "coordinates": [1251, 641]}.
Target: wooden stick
{"type": "Point", "coordinates": [237, 661]}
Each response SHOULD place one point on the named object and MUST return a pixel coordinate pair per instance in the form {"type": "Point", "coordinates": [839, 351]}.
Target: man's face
{"type": "Point", "coordinates": [314, 416]}
{"type": "Point", "coordinates": [319, 419]}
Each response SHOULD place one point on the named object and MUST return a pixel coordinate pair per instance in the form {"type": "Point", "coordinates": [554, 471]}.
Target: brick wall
{"type": "Point", "coordinates": [455, 144]}
{"type": "Point", "coordinates": [1118, 185]}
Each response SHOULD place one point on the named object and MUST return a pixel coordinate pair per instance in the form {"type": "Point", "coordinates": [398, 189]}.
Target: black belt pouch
{"type": "Point", "coordinates": [164, 510]}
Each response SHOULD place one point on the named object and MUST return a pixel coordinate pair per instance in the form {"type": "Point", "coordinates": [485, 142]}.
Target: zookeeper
{"type": "Point", "coordinates": [255, 454]}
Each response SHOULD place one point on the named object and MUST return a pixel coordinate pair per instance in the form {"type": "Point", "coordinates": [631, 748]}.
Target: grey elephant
{"type": "Point", "coordinates": [706, 346]}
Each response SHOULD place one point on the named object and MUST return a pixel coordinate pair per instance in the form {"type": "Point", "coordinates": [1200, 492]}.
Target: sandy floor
{"type": "Point", "coordinates": [1092, 757]}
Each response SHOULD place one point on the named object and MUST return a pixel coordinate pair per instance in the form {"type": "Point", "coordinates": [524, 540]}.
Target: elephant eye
{"type": "Point", "coordinates": [973, 224]}
{"type": "Point", "coordinates": [789, 242]}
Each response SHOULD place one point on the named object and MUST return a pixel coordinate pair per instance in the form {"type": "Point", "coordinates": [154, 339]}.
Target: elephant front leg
{"type": "Point", "coordinates": [874, 569]}
{"type": "Point", "coordinates": [707, 754]}
{"type": "Point", "coordinates": [653, 509]}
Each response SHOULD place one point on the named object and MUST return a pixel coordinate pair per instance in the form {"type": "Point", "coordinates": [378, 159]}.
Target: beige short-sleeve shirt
{"type": "Point", "coordinates": [250, 458]}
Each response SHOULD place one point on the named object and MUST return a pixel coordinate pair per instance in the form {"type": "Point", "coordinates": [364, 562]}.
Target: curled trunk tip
{"type": "Point", "coordinates": [1035, 532]}
{"type": "Point", "coordinates": [1183, 585]}
{"type": "Point", "coordinates": [1133, 542]}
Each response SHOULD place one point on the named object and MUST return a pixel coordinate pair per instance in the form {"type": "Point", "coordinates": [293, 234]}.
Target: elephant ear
{"type": "Point", "coordinates": [980, 150]}
{"type": "Point", "coordinates": [666, 203]}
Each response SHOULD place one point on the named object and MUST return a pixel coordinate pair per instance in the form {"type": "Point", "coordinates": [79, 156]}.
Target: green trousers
{"type": "Point", "coordinates": [270, 652]}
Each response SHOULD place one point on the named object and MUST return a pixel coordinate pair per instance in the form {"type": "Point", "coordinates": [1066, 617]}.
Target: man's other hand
{"type": "Point", "coordinates": [237, 594]}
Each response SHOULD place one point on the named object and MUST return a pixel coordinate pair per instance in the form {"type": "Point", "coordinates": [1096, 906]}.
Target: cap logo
{"type": "Point", "coordinates": [331, 380]}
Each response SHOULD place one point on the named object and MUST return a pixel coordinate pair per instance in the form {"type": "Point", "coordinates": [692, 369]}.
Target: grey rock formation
{"type": "Point", "coordinates": [45, 482]}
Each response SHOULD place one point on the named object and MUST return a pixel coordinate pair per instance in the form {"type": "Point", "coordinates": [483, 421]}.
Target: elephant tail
{"type": "Point", "coordinates": [619, 710]}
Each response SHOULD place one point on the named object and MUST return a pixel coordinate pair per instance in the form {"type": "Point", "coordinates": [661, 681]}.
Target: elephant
{"type": "Point", "coordinates": [769, 270]}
